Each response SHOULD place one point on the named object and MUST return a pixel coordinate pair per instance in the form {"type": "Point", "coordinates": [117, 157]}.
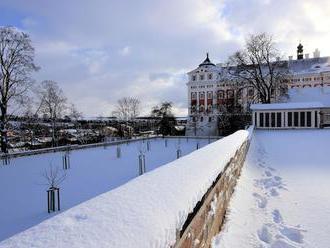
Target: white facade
{"type": "Point", "coordinates": [287, 115]}
{"type": "Point", "coordinates": [210, 88]}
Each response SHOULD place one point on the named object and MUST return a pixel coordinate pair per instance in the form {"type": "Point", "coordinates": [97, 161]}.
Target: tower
{"type": "Point", "coordinates": [207, 61]}
{"type": "Point", "coordinates": [300, 51]}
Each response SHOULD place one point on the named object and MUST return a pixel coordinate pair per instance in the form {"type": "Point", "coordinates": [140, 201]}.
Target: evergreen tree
{"type": "Point", "coordinates": [166, 118]}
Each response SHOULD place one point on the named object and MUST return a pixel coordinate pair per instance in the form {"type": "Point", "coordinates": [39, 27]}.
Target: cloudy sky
{"type": "Point", "coordinates": [101, 50]}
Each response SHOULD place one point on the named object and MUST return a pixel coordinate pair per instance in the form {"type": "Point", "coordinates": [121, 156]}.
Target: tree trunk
{"type": "Point", "coordinates": [53, 134]}
{"type": "Point", "coordinates": [3, 130]}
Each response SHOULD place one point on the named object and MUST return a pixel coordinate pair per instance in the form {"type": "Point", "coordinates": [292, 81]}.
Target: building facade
{"type": "Point", "coordinates": [211, 88]}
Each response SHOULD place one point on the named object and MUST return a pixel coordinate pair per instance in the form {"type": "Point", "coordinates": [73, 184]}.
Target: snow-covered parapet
{"type": "Point", "coordinates": [146, 212]}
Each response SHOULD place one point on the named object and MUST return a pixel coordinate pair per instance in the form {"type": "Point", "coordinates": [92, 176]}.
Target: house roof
{"type": "Point", "coordinates": [207, 61]}
{"type": "Point", "coordinates": [284, 106]}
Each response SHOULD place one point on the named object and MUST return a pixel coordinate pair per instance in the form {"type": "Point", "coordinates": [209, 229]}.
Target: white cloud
{"type": "Point", "coordinates": [125, 51]}
{"type": "Point", "coordinates": [80, 44]}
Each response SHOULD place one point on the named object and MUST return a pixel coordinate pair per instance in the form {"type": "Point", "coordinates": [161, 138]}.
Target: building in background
{"type": "Point", "coordinates": [212, 89]}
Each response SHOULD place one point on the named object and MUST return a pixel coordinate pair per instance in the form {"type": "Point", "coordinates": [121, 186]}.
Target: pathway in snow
{"type": "Point", "coordinates": [282, 198]}
{"type": "Point", "coordinates": [275, 232]}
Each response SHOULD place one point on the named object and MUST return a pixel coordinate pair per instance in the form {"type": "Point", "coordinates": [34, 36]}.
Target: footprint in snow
{"type": "Point", "coordinates": [277, 178]}
{"type": "Point", "coordinates": [277, 217]}
{"type": "Point", "coordinates": [264, 234]}
{"type": "Point", "coordinates": [293, 234]}
{"type": "Point", "coordinates": [281, 244]}
{"type": "Point", "coordinates": [81, 217]}
{"type": "Point", "coordinates": [261, 165]}
{"type": "Point", "coordinates": [273, 192]}
{"type": "Point", "coordinates": [268, 173]}
{"type": "Point", "coordinates": [261, 201]}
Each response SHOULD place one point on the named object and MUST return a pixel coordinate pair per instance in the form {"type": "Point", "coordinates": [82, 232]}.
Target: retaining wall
{"type": "Point", "coordinates": [209, 214]}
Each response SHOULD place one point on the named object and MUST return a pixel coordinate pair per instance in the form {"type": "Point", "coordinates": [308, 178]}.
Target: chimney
{"type": "Point", "coordinates": [307, 56]}
{"type": "Point", "coordinates": [290, 58]}
{"type": "Point", "coordinates": [316, 53]}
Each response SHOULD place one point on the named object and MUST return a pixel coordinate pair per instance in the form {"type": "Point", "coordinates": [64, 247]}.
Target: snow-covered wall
{"type": "Point", "coordinates": [149, 211]}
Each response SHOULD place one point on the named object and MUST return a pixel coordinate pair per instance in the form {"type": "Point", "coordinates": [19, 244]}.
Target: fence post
{"type": "Point", "coordinates": [178, 153]}
{"type": "Point", "coordinates": [5, 159]}
{"type": "Point", "coordinates": [118, 152]}
{"type": "Point", "coordinates": [51, 199]}
{"type": "Point", "coordinates": [142, 164]}
{"type": "Point", "coordinates": [66, 161]}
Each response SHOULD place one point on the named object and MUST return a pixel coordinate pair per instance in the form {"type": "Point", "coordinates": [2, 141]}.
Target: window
{"type": "Point", "coordinates": [255, 118]}
{"type": "Point", "coordinates": [239, 94]}
{"type": "Point", "coordinates": [209, 95]}
{"type": "Point", "coordinates": [210, 76]}
{"type": "Point", "coordinates": [251, 92]}
{"type": "Point", "coordinates": [210, 119]}
{"type": "Point", "coordinates": [194, 78]}
{"type": "Point", "coordinates": [194, 119]}
{"type": "Point", "coordinates": [201, 95]}
{"type": "Point", "coordinates": [290, 119]}
{"type": "Point", "coordinates": [261, 119]}
{"type": "Point", "coordinates": [273, 119]}
{"type": "Point", "coordinates": [316, 121]}
{"type": "Point", "coordinates": [267, 120]}
{"type": "Point", "coordinates": [202, 119]}
{"type": "Point", "coordinates": [220, 94]}
{"type": "Point", "coordinates": [296, 118]}
{"type": "Point", "coordinates": [279, 119]}
{"type": "Point", "coordinates": [193, 95]}
{"type": "Point", "coordinates": [230, 94]}
{"type": "Point", "coordinates": [309, 119]}
{"type": "Point", "coordinates": [201, 77]}
{"type": "Point", "coordinates": [302, 119]}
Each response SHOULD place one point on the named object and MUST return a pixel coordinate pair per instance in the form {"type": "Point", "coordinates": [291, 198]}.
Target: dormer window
{"type": "Point", "coordinates": [201, 77]}
{"type": "Point", "coordinates": [210, 76]}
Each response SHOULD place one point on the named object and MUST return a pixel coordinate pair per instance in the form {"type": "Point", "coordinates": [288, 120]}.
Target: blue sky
{"type": "Point", "coordinates": [99, 51]}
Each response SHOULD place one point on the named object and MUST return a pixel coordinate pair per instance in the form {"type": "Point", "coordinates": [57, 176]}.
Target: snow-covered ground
{"type": "Point", "coordinates": [145, 212]}
{"type": "Point", "coordinates": [23, 199]}
{"type": "Point", "coordinates": [282, 199]}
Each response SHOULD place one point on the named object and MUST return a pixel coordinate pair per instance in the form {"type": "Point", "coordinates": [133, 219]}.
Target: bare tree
{"type": "Point", "coordinates": [74, 114]}
{"type": "Point", "coordinates": [16, 66]}
{"type": "Point", "coordinates": [127, 108]}
{"type": "Point", "coordinates": [52, 104]}
{"type": "Point", "coordinates": [53, 176]}
{"type": "Point", "coordinates": [259, 66]}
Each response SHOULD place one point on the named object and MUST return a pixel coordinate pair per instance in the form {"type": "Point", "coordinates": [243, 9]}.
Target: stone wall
{"type": "Point", "coordinates": [208, 216]}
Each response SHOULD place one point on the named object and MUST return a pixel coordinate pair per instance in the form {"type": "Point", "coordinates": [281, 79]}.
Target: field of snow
{"type": "Point", "coordinates": [282, 198]}
{"type": "Point", "coordinates": [23, 199]}
{"type": "Point", "coordinates": [145, 212]}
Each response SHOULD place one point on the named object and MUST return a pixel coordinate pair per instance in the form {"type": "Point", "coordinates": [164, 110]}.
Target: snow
{"type": "Point", "coordinates": [282, 198]}
{"type": "Point", "coordinates": [319, 94]}
{"type": "Point", "coordinates": [290, 105]}
{"type": "Point", "coordinates": [146, 212]}
{"type": "Point", "coordinates": [23, 199]}
{"type": "Point", "coordinates": [308, 66]}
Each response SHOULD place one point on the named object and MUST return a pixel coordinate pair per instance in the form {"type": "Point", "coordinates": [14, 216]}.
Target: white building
{"type": "Point", "coordinates": [210, 87]}
{"type": "Point", "coordinates": [289, 115]}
